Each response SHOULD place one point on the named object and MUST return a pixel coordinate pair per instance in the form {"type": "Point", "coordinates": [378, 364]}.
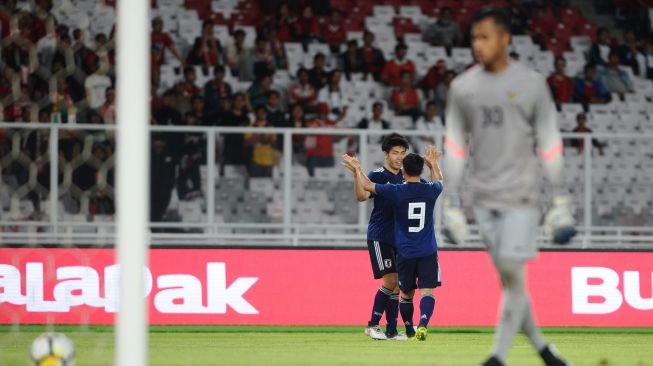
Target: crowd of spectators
{"type": "Point", "coordinates": [53, 72]}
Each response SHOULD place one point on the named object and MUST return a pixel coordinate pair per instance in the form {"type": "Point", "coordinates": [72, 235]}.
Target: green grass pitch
{"type": "Point", "coordinates": [329, 346]}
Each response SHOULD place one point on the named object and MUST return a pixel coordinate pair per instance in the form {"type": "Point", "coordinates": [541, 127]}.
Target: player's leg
{"type": "Point", "coordinates": [390, 280]}
{"type": "Point", "coordinates": [383, 294]}
{"type": "Point", "coordinates": [513, 245]}
{"type": "Point", "coordinates": [514, 305]}
{"type": "Point", "coordinates": [406, 272]}
{"type": "Point", "coordinates": [428, 274]}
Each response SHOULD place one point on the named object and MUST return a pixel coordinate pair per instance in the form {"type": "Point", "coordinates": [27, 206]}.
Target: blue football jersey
{"type": "Point", "coordinates": [413, 205]}
{"type": "Point", "coordinates": [382, 220]}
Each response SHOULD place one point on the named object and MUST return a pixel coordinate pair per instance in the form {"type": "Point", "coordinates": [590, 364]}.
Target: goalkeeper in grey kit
{"type": "Point", "coordinates": [504, 112]}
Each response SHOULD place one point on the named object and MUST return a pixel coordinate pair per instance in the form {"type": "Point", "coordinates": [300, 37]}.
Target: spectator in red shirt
{"type": "Point", "coordinates": [562, 87]}
{"type": "Point", "coordinates": [581, 127]}
{"type": "Point", "coordinates": [319, 148]}
{"type": "Point", "coordinates": [308, 27]}
{"type": "Point", "coordinates": [333, 33]}
{"type": "Point", "coordinates": [433, 77]}
{"type": "Point", "coordinates": [207, 49]}
{"type": "Point", "coordinates": [372, 57]}
{"type": "Point", "coordinates": [287, 24]}
{"type": "Point", "coordinates": [406, 99]}
{"type": "Point", "coordinates": [162, 41]}
{"type": "Point", "coordinates": [190, 77]}
{"type": "Point", "coordinates": [302, 92]}
{"type": "Point", "coordinates": [392, 69]}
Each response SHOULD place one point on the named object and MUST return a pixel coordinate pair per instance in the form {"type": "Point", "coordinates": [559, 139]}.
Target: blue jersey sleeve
{"type": "Point", "coordinates": [387, 191]}
{"type": "Point", "coordinates": [437, 187]}
{"type": "Point", "coordinates": [375, 177]}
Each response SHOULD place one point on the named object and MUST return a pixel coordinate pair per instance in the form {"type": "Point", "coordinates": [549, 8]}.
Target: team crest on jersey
{"type": "Point", "coordinates": [388, 263]}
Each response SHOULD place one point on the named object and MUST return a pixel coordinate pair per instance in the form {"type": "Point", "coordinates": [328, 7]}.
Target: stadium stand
{"type": "Point", "coordinates": [214, 63]}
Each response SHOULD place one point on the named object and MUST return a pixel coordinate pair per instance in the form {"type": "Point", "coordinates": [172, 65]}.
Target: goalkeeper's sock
{"type": "Point", "coordinates": [392, 314]}
{"type": "Point", "coordinates": [426, 307]}
{"type": "Point", "coordinates": [406, 309]}
{"type": "Point", "coordinates": [513, 305]}
{"type": "Point", "coordinates": [380, 303]}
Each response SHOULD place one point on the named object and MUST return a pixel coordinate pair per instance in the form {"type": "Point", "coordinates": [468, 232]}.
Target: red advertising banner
{"type": "Point", "coordinates": [313, 287]}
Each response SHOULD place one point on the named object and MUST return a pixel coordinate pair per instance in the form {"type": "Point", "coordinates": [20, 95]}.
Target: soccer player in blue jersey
{"type": "Point", "coordinates": [412, 205]}
{"type": "Point", "coordinates": [381, 241]}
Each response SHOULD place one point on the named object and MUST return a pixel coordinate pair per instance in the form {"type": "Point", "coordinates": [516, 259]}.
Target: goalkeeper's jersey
{"type": "Point", "coordinates": [504, 118]}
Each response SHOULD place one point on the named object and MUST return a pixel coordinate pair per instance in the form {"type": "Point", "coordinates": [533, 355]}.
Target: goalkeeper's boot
{"type": "Point", "coordinates": [551, 357]}
{"type": "Point", "coordinates": [421, 333]}
{"type": "Point", "coordinates": [492, 361]}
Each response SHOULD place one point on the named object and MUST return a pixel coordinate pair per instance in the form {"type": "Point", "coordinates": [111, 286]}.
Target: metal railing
{"type": "Point", "coordinates": [54, 230]}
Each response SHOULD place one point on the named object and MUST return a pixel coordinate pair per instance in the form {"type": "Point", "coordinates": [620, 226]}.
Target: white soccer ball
{"type": "Point", "coordinates": [52, 349]}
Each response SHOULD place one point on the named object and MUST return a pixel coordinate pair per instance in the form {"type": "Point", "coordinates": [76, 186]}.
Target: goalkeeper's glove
{"type": "Point", "coordinates": [559, 223]}
{"type": "Point", "coordinates": [455, 223]}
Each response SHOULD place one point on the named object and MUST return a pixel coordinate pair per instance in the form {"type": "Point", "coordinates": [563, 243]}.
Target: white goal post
{"type": "Point", "coordinates": [132, 178]}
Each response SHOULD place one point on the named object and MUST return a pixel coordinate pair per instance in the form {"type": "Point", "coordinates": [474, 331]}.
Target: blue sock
{"type": "Point", "coordinates": [380, 303]}
{"type": "Point", "coordinates": [406, 309]}
{"type": "Point", "coordinates": [392, 314]}
{"type": "Point", "coordinates": [426, 307]}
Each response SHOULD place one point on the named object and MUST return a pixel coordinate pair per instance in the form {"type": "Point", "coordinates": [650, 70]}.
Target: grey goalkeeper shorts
{"type": "Point", "coordinates": [509, 233]}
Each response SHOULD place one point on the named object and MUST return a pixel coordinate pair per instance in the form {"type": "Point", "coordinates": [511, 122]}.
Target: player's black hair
{"type": "Point", "coordinates": [317, 55]}
{"type": "Point", "coordinates": [352, 42]}
{"type": "Point", "coordinates": [400, 46]}
{"type": "Point", "coordinates": [259, 108]}
{"type": "Point", "coordinates": [588, 66]}
{"type": "Point", "coordinates": [271, 93]}
{"type": "Point", "coordinates": [559, 58]}
{"type": "Point", "coordinates": [392, 140]}
{"type": "Point", "coordinates": [431, 103]}
{"type": "Point", "coordinates": [377, 104]}
{"type": "Point", "coordinates": [188, 70]}
{"type": "Point", "coordinates": [218, 68]}
{"type": "Point", "coordinates": [499, 15]}
{"type": "Point", "coordinates": [413, 165]}
{"type": "Point", "coordinates": [239, 32]}
{"type": "Point", "coordinates": [300, 71]}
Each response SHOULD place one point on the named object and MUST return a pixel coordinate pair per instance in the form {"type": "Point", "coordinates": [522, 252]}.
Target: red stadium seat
{"type": "Point", "coordinates": [464, 17]}
{"type": "Point", "coordinates": [203, 8]}
{"type": "Point", "coordinates": [352, 25]}
{"type": "Point", "coordinates": [588, 29]}
{"type": "Point", "coordinates": [563, 33]}
{"type": "Point", "coordinates": [404, 25]}
{"type": "Point", "coordinates": [557, 47]}
{"type": "Point", "coordinates": [572, 18]}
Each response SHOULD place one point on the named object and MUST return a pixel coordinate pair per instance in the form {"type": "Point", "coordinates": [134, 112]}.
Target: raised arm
{"type": "Point", "coordinates": [362, 184]}
{"type": "Point", "coordinates": [431, 159]}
